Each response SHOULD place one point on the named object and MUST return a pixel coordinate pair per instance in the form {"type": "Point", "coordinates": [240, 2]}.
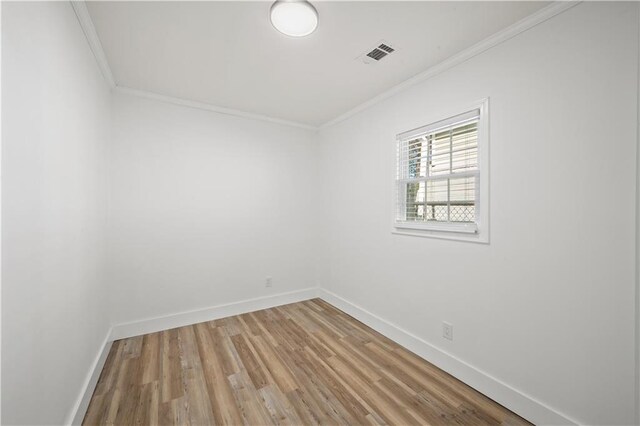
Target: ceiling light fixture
{"type": "Point", "coordinates": [296, 18]}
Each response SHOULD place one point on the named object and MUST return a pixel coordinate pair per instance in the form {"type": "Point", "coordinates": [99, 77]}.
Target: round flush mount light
{"type": "Point", "coordinates": [296, 18]}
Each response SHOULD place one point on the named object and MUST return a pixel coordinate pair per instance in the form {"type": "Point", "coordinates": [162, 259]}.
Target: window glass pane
{"type": "Point", "coordinates": [445, 200]}
{"type": "Point", "coordinates": [451, 150]}
{"type": "Point", "coordinates": [440, 153]}
{"type": "Point", "coordinates": [414, 207]}
{"type": "Point", "coordinates": [462, 199]}
{"type": "Point", "coordinates": [416, 155]}
{"type": "Point", "coordinates": [464, 151]}
{"type": "Point", "coordinates": [437, 194]}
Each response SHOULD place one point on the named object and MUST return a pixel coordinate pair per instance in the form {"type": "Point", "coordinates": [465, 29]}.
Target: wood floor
{"type": "Point", "coordinates": [299, 364]}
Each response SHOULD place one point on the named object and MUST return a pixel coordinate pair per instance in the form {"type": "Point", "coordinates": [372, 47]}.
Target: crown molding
{"type": "Point", "coordinates": [80, 8]}
{"type": "Point", "coordinates": [486, 44]}
{"type": "Point", "coordinates": [209, 107]}
{"type": "Point", "coordinates": [82, 13]}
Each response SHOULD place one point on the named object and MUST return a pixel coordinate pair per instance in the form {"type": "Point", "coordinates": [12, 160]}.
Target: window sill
{"type": "Point", "coordinates": [464, 228]}
{"type": "Point", "coordinates": [446, 231]}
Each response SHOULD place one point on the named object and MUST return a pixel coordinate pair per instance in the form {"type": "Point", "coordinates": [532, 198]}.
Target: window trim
{"type": "Point", "coordinates": [473, 232]}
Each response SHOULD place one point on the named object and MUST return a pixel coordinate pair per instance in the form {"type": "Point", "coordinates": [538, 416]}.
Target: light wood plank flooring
{"type": "Point", "coordinates": [301, 364]}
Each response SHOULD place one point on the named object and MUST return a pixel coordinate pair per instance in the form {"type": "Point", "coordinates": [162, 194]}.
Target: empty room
{"type": "Point", "coordinates": [320, 213]}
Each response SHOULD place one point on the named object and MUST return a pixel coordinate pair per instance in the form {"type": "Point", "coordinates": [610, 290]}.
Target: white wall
{"type": "Point", "coordinates": [204, 207]}
{"type": "Point", "coordinates": [548, 306]}
{"type": "Point", "coordinates": [56, 121]}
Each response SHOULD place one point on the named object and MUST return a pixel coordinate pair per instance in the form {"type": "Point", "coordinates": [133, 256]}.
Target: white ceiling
{"type": "Point", "coordinates": [227, 54]}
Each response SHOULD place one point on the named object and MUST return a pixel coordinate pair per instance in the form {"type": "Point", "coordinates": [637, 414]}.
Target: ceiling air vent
{"type": "Point", "coordinates": [386, 48]}
{"type": "Point", "coordinates": [380, 51]}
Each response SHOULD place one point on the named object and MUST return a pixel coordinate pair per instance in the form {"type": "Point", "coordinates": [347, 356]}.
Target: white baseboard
{"type": "Point", "coordinates": [76, 415]}
{"type": "Point", "coordinates": [180, 319]}
{"type": "Point", "coordinates": [152, 325]}
{"type": "Point", "coordinates": [516, 401]}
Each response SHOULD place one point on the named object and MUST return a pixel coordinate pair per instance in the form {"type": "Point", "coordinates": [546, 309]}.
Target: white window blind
{"type": "Point", "coordinates": [438, 175]}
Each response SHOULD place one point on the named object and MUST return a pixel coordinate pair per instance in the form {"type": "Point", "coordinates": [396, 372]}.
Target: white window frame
{"type": "Point", "coordinates": [474, 232]}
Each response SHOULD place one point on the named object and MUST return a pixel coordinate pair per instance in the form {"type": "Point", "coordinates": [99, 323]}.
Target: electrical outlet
{"type": "Point", "coordinates": [268, 283]}
{"type": "Point", "coordinates": [447, 330]}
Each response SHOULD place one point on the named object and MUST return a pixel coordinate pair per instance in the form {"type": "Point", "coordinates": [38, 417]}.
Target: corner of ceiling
{"type": "Point", "coordinates": [501, 36]}
{"type": "Point", "coordinates": [82, 13]}
{"type": "Point", "coordinates": [86, 23]}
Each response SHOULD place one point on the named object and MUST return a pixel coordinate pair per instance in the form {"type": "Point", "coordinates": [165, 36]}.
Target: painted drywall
{"type": "Point", "coordinates": [56, 124]}
{"type": "Point", "coordinates": [548, 306]}
{"type": "Point", "coordinates": [637, 247]}
{"type": "Point", "coordinates": [204, 207]}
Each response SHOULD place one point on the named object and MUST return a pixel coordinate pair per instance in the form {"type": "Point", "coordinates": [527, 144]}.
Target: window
{"type": "Point", "coordinates": [439, 181]}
